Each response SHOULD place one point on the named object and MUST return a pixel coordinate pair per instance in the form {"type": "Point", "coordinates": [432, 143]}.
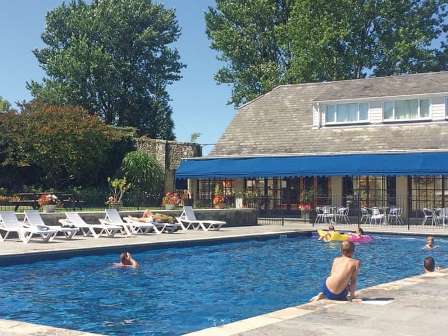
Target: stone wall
{"type": "Point", "coordinates": [169, 155]}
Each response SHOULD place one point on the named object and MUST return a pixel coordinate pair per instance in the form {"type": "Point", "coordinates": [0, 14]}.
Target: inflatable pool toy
{"type": "Point", "coordinates": [360, 239]}
{"type": "Point", "coordinates": [332, 235]}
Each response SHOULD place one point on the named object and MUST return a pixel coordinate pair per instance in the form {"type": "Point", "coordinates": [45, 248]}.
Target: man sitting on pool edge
{"type": "Point", "coordinates": [341, 284]}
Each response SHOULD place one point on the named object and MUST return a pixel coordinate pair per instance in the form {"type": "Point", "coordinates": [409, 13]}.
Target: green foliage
{"type": "Point", "coordinates": [61, 146]}
{"type": "Point", "coordinates": [143, 172]}
{"type": "Point", "coordinates": [5, 106]}
{"type": "Point", "coordinates": [250, 35]}
{"type": "Point", "coordinates": [114, 58]}
{"type": "Point", "coordinates": [195, 136]}
{"type": "Point", "coordinates": [118, 186]}
{"type": "Point", "coordinates": [269, 42]}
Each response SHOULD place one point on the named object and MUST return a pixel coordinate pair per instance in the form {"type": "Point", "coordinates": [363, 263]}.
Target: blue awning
{"type": "Point", "coordinates": [378, 164]}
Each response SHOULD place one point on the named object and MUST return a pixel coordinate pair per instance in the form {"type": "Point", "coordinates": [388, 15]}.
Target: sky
{"type": "Point", "coordinates": [199, 104]}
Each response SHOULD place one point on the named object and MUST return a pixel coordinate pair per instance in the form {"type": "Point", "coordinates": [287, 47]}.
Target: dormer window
{"type": "Point", "coordinates": [410, 109]}
{"type": "Point", "coordinates": [347, 113]}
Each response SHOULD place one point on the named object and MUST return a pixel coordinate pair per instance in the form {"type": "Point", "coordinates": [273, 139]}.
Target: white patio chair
{"type": "Point", "coordinates": [319, 215]}
{"type": "Point", "coordinates": [394, 216]}
{"type": "Point", "coordinates": [430, 214]}
{"type": "Point", "coordinates": [94, 230]}
{"type": "Point", "coordinates": [443, 216]}
{"type": "Point", "coordinates": [365, 216]}
{"type": "Point", "coordinates": [377, 217]}
{"type": "Point", "coordinates": [9, 223]}
{"type": "Point", "coordinates": [141, 227]}
{"type": "Point", "coordinates": [188, 218]}
{"type": "Point", "coordinates": [33, 219]}
{"type": "Point", "coordinates": [342, 215]}
{"type": "Point", "coordinates": [328, 214]}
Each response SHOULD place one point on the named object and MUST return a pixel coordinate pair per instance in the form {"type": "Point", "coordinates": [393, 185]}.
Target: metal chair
{"type": "Point", "coordinates": [377, 217]}
{"type": "Point", "coordinates": [342, 215]}
{"type": "Point", "coordinates": [365, 216]}
{"type": "Point", "coordinates": [430, 214]}
{"type": "Point", "coordinates": [319, 215]}
{"type": "Point", "coordinates": [395, 216]}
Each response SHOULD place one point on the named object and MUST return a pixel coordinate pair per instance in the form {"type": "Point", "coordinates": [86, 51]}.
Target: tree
{"type": "Point", "coordinates": [195, 136]}
{"type": "Point", "coordinates": [5, 106]}
{"type": "Point", "coordinates": [143, 172]}
{"type": "Point", "coordinates": [62, 146]}
{"type": "Point", "coordinates": [269, 42]}
{"type": "Point", "coordinates": [346, 39]}
{"type": "Point", "coordinates": [250, 36]}
{"type": "Point", "coordinates": [115, 59]}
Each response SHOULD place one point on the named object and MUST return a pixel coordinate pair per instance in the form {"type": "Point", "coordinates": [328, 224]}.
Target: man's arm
{"type": "Point", "coordinates": [354, 279]}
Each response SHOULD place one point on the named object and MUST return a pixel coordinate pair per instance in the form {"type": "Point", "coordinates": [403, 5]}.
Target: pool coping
{"type": "Point", "coordinates": [19, 328]}
{"type": "Point", "coordinates": [278, 316]}
{"type": "Point", "coordinates": [33, 256]}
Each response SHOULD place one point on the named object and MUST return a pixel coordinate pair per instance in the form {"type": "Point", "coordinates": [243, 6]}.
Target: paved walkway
{"type": "Point", "coordinates": [80, 243]}
{"type": "Point", "coordinates": [412, 307]}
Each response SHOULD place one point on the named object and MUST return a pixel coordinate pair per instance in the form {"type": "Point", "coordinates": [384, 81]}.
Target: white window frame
{"type": "Point", "coordinates": [366, 121]}
{"type": "Point", "coordinates": [446, 107]}
{"type": "Point", "coordinates": [394, 120]}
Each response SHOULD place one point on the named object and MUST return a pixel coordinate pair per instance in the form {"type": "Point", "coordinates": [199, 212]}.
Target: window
{"type": "Point", "coordinates": [369, 191]}
{"type": "Point", "coordinates": [347, 113]}
{"type": "Point", "coordinates": [409, 109]}
{"type": "Point", "coordinates": [427, 192]}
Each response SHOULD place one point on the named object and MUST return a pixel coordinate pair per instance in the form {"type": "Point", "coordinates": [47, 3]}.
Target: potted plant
{"type": "Point", "coordinates": [171, 200]}
{"type": "Point", "coordinates": [118, 188]}
{"type": "Point", "coordinates": [218, 201]}
{"type": "Point", "coordinates": [48, 202]}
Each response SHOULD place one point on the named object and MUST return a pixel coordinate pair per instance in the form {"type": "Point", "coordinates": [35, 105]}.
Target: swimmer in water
{"type": "Point", "coordinates": [327, 236]}
{"type": "Point", "coordinates": [429, 243]}
{"type": "Point", "coordinates": [126, 260]}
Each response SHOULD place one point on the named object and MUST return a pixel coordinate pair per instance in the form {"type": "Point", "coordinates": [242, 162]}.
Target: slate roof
{"type": "Point", "coordinates": [280, 122]}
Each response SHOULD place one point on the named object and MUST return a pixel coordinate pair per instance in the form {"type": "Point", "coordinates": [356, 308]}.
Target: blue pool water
{"type": "Point", "coordinates": [177, 290]}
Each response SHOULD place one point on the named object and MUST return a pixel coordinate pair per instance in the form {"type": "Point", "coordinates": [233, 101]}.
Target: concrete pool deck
{"type": "Point", "coordinates": [412, 306]}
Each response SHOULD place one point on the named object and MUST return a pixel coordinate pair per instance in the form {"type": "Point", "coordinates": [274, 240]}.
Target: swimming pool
{"type": "Point", "coordinates": [178, 290]}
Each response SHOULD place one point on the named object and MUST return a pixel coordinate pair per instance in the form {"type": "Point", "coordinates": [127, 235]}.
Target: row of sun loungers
{"type": "Point", "coordinates": [112, 224]}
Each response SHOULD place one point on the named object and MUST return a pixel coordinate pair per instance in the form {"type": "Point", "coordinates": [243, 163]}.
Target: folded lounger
{"type": "Point", "coordinates": [33, 219]}
{"type": "Point", "coordinates": [188, 219]}
{"type": "Point", "coordinates": [9, 223]}
{"type": "Point", "coordinates": [94, 230]}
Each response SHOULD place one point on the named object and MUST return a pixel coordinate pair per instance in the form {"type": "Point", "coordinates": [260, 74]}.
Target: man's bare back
{"type": "Point", "coordinates": [343, 276]}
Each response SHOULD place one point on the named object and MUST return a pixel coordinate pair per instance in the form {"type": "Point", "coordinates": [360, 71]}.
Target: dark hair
{"type": "Point", "coordinates": [429, 264]}
{"type": "Point", "coordinates": [361, 231]}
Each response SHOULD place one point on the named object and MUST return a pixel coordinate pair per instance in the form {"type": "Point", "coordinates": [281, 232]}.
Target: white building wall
{"type": "Point", "coordinates": [438, 108]}
{"type": "Point", "coordinates": [336, 190]}
{"type": "Point", "coordinates": [376, 112]}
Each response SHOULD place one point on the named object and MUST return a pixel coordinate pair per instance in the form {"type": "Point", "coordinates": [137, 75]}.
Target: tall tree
{"type": "Point", "coordinates": [250, 37]}
{"type": "Point", "coordinates": [114, 58]}
{"type": "Point", "coordinates": [5, 106]}
{"type": "Point", "coordinates": [267, 42]}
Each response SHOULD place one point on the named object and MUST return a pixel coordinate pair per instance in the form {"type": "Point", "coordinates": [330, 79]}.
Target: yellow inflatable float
{"type": "Point", "coordinates": [331, 235]}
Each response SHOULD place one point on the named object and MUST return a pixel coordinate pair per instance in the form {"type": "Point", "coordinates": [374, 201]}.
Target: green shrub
{"type": "Point", "coordinates": [143, 172]}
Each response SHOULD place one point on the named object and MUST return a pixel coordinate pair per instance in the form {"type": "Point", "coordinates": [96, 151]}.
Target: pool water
{"type": "Point", "coordinates": [178, 290]}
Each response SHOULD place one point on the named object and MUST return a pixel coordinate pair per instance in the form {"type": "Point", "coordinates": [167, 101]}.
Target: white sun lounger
{"type": "Point", "coordinates": [94, 230]}
{"type": "Point", "coordinates": [188, 219]}
{"type": "Point", "coordinates": [9, 223]}
{"type": "Point", "coordinates": [157, 227]}
{"type": "Point", "coordinates": [141, 227]}
{"type": "Point", "coordinates": [34, 220]}
{"type": "Point", "coordinates": [113, 218]}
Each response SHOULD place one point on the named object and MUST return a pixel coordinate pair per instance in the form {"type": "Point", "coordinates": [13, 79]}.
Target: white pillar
{"type": "Point", "coordinates": [336, 190]}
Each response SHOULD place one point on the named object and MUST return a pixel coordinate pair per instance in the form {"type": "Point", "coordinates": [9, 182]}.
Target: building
{"type": "Point", "coordinates": [378, 141]}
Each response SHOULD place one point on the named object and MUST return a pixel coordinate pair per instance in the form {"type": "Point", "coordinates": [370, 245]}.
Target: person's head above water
{"type": "Point", "coordinates": [429, 264]}
{"type": "Point", "coordinates": [347, 248]}
{"type": "Point", "coordinates": [430, 241]}
{"type": "Point", "coordinates": [359, 231]}
{"type": "Point", "coordinates": [331, 227]}
{"type": "Point", "coordinates": [125, 258]}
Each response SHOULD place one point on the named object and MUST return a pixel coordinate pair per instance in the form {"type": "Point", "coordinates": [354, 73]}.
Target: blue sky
{"type": "Point", "coordinates": [199, 104]}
